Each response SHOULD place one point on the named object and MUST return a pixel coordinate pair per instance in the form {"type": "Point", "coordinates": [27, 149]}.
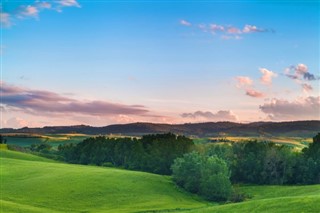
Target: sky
{"type": "Point", "coordinates": [69, 62]}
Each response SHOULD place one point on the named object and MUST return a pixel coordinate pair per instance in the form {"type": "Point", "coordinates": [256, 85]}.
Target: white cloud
{"type": "Point", "coordinates": [68, 3]}
{"type": "Point", "coordinates": [216, 27]}
{"type": "Point", "coordinates": [185, 23]}
{"type": "Point", "coordinates": [301, 69]}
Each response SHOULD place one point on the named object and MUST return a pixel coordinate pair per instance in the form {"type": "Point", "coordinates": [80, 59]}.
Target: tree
{"type": "Point", "coordinates": [2, 140]}
{"type": "Point", "coordinates": [206, 176]}
{"type": "Point", "coordinates": [186, 171]}
{"type": "Point", "coordinates": [215, 179]}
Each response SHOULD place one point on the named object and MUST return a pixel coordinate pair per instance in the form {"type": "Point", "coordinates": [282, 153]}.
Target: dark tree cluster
{"type": "Point", "coordinates": [211, 173]}
{"type": "Point", "coordinates": [268, 163]}
{"type": "Point", "coordinates": [151, 153]}
{"type": "Point", "coordinates": [203, 175]}
{"type": "Point", "coordinates": [2, 140]}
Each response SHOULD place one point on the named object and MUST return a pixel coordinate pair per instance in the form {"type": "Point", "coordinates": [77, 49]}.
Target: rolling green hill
{"type": "Point", "coordinates": [34, 184]}
{"type": "Point", "coordinates": [273, 199]}
{"type": "Point", "coordinates": [31, 184]}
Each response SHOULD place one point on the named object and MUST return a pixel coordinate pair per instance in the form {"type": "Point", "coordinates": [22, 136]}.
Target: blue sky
{"type": "Point", "coordinates": [101, 62]}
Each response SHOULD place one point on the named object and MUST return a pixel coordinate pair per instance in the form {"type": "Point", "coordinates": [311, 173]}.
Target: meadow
{"type": "Point", "coordinates": [295, 142]}
{"type": "Point", "coordinates": [34, 184]}
{"type": "Point", "coordinates": [25, 140]}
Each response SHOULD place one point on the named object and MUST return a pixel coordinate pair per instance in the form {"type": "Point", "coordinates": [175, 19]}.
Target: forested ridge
{"type": "Point", "coordinates": [293, 128]}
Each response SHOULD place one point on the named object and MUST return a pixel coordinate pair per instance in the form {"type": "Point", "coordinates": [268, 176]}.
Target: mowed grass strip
{"type": "Point", "coordinates": [40, 186]}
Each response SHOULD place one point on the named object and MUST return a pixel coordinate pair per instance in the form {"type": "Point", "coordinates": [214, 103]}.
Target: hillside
{"type": "Point", "coordinates": [30, 184]}
{"type": "Point", "coordinates": [211, 129]}
{"type": "Point", "coordinates": [273, 199]}
{"type": "Point", "coordinates": [33, 184]}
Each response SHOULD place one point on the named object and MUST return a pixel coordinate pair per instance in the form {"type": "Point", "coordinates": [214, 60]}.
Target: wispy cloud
{"type": "Point", "coordinates": [267, 76]}
{"type": "Point", "coordinates": [222, 115]}
{"type": "Point", "coordinates": [215, 27]}
{"type": "Point", "coordinates": [68, 3]}
{"type": "Point", "coordinates": [253, 29]}
{"type": "Point", "coordinates": [43, 5]}
{"type": "Point", "coordinates": [301, 108]}
{"type": "Point", "coordinates": [28, 11]}
{"type": "Point", "coordinates": [307, 88]}
{"type": "Point", "coordinates": [46, 102]}
{"type": "Point", "coordinates": [243, 81]}
{"type": "Point", "coordinates": [233, 30]}
{"type": "Point", "coordinates": [5, 19]}
{"type": "Point", "coordinates": [227, 32]}
{"type": "Point", "coordinates": [23, 11]}
{"type": "Point", "coordinates": [185, 23]}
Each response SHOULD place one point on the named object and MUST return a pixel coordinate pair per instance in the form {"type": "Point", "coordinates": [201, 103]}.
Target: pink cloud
{"type": "Point", "coordinates": [28, 11]}
{"type": "Point", "coordinates": [221, 115]}
{"type": "Point", "coordinates": [307, 88]}
{"type": "Point", "coordinates": [254, 93]}
{"type": "Point", "coordinates": [33, 10]}
{"type": "Point", "coordinates": [267, 76]}
{"type": "Point", "coordinates": [46, 102]}
{"type": "Point", "coordinates": [243, 81]}
{"type": "Point", "coordinates": [5, 19]}
{"type": "Point", "coordinates": [233, 30]}
{"type": "Point", "coordinates": [215, 27]}
{"type": "Point", "coordinates": [226, 32]}
{"type": "Point", "coordinates": [299, 109]}
{"type": "Point", "coordinates": [185, 23]}
{"type": "Point", "coordinates": [16, 122]}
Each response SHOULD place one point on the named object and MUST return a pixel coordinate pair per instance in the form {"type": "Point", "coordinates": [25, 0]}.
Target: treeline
{"type": "Point", "coordinates": [151, 153]}
{"type": "Point", "coordinates": [212, 171]}
{"type": "Point", "coordinates": [269, 163]}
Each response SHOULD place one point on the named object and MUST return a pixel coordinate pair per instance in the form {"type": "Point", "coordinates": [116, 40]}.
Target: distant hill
{"type": "Point", "coordinates": [210, 129]}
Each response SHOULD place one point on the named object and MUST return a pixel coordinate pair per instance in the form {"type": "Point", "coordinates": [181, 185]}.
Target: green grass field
{"type": "Point", "coordinates": [53, 139]}
{"type": "Point", "coordinates": [34, 184]}
{"type": "Point", "coordinates": [275, 199]}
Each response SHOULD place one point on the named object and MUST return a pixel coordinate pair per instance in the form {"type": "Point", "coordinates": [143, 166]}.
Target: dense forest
{"type": "Point", "coordinates": [151, 153]}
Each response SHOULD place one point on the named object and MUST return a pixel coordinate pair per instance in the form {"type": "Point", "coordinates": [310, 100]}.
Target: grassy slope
{"type": "Point", "coordinates": [54, 140]}
{"type": "Point", "coordinates": [30, 184]}
{"type": "Point", "coordinates": [33, 184]}
{"type": "Point", "coordinates": [274, 199]}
